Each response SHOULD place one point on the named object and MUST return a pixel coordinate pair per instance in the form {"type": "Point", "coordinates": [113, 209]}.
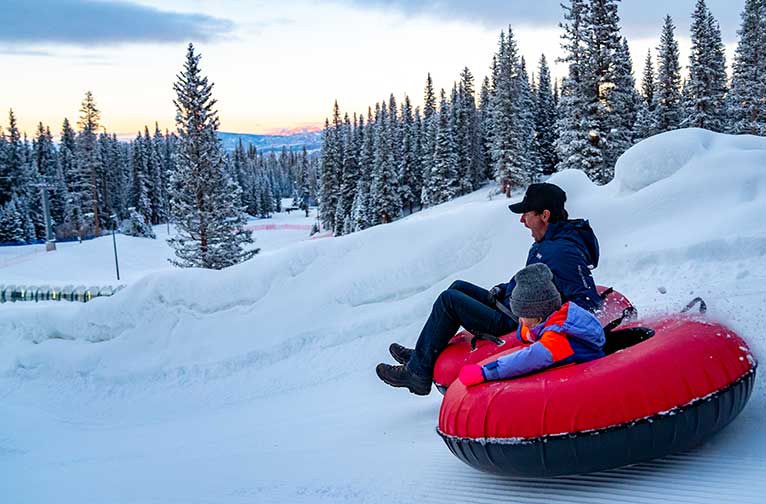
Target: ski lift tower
{"type": "Point", "coordinates": [50, 239]}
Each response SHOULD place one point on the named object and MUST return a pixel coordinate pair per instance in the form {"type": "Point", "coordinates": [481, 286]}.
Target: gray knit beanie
{"type": "Point", "coordinates": [535, 295]}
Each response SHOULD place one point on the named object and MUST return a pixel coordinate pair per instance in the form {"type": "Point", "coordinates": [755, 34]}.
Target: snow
{"type": "Point", "coordinates": [257, 383]}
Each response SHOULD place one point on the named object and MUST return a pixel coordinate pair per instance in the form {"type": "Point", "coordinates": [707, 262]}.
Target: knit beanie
{"type": "Point", "coordinates": [535, 295]}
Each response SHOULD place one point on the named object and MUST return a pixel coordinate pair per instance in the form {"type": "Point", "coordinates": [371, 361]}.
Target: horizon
{"type": "Point", "coordinates": [278, 69]}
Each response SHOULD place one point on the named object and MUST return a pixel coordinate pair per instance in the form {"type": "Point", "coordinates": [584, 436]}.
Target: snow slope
{"type": "Point", "coordinates": [257, 383]}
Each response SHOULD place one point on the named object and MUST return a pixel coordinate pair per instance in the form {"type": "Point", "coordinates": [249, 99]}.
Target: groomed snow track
{"type": "Point", "coordinates": [683, 478]}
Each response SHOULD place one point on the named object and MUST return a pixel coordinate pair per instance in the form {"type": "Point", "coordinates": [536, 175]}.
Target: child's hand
{"type": "Point", "coordinates": [471, 375]}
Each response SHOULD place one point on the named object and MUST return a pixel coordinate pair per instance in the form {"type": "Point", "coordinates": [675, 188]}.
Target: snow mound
{"type": "Point", "coordinates": [660, 156]}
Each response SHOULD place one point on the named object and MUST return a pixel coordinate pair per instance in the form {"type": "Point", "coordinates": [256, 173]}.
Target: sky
{"type": "Point", "coordinates": [279, 66]}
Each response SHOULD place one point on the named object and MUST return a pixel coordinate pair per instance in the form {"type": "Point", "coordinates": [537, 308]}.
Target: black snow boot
{"type": "Point", "coordinates": [401, 354]}
{"type": "Point", "coordinates": [400, 376]}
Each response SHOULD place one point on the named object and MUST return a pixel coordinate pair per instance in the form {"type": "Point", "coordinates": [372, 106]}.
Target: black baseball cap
{"type": "Point", "coordinates": [541, 197]}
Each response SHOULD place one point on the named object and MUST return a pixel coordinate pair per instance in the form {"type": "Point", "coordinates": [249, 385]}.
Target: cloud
{"type": "Point", "coordinates": [93, 22]}
{"type": "Point", "coordinates": [639, 18]}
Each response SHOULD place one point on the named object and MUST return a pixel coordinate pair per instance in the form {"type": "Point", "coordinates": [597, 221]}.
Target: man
{"type": "Point", "coordinates": [568, 247]}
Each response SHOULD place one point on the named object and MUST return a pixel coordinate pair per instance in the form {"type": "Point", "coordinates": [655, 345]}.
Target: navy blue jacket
{"type": "Point", "coordinates": [570, 250]}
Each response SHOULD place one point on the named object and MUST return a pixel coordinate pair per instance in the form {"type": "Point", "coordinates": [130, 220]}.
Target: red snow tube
{"type": "Point", "coordinates": [667, 384]}
{"type": "Point", "coordinates": [464, 349]}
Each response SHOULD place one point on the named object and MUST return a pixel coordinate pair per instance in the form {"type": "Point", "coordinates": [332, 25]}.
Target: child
{"type": "Point", "coordinates": [554, 334]}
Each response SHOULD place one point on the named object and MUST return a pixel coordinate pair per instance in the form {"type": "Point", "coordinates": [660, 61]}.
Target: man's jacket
{"type": "Point", "coordinates": [570, 249]}
{"type": "Point", "coordinates": [570, 334]}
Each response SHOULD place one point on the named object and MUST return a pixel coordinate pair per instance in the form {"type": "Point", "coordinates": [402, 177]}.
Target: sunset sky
{"type": "Point", "coordinates": [279, 65]}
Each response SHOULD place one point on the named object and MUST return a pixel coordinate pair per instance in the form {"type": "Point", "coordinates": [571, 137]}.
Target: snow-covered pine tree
{"type": "Point", "coordinates": [89, 166]}
{"type": "Point", "coordinates": [304, 190]}
{"type": "Point", "coordinates": [408, 164]}
{"type": "Point", "coordinates": [600, 88]}
{"type": "Point", "coordinates": [704, 92]}
{"type": "Point", "coordinates": [645, 118]}
{"type": "Point", "coordinates": [470, 137]}
{"type": "Point", "coordinates": [545, 120]}
{"type": "Point", "coordinates": [485, 130]}
{"type": "Point", "coordinates": [525, 121]}
{"type": "Point", "coordinates": [384, 204]}
{"type": "Point", "coordinates": [348, 181]}
{"type": "Point", "coordinates": [153, 177]}
{"type": "Point", "coordinates": [576, 145]}
{"type": "Point", "coordinates": [668, 109]}
{"type": "Point", "coordinates": [331, 167]}
{"type": "Point", "coordinates": [139, 185]}
{"type": "Point", "coordinates": [360, 206]}
{"type": "Point", "coordinates": [209, 222]}
{"type": "Point", "coordinates": [46, 162]}
{"type": "Point", "coordinates": [14, 174]}
{"type": "Point", "coordinates": [12, 229]}
{"type": "Point", "coordinates": [443, 174]}
{"type": "Point", "coordinates": [428, 143]}
{"type": "Point", "coordinates": [747, 97]}
{"type": "Point", "coordinates": [19, 171]}
{"type": "Point", "coordinates": [462, 182]}
{"type": "Point", "coordinates": [625, 101]}
{"type": "Point", "coordinates": [506, 151]}
{"type": "Point", "coordinates": [161, 182]}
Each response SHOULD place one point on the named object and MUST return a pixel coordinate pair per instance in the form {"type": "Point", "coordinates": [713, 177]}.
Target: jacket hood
{"type": "Point", "coordinates": [579, 232]}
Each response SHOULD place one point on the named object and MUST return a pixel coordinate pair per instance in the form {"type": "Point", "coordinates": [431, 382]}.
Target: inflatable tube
{"type": "Point", "coordinates": [463, 349]}
{"type": "Point", "coordinates": [671, 383]}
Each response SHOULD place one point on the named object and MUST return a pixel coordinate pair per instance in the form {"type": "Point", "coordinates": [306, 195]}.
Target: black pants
{"type": "Point", "coordinates": [463, 304]}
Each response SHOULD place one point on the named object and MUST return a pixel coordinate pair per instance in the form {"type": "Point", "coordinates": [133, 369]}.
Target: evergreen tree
{"type": "Point", "coordinates": [12, 229]}
{"type": "Point", "coordinates": [349, 177]}
{"type": "Point", "coordinates": [46, 164]}
{"type": "Point", "coordinates": [330, 169]}
{"type": "Point", "coordinates": [525, 120]}
{"type": "Point", "coordinates": [625, 101]}
{"type": "Point", "coordinates": [139, 181]}
{"type": "Point", "coordinates": [485, 130]}
{"type": "Point", "coordinates": [384, 204]}
{"type": "Point", "coordinates": [360, 211]}
{"type": "Point", "coordinates": [648, 82]}
{"type": "Point", "coordinates": [506, 150]}
{"type": "Point", "coordinates": [704, 105]}
{"type": "Point", "coordinates": [668, 109]}
{"type": "Point", "coordinates": [469, 136]}
{"type": "Point", "coordinates": [577, 142]}
{"type": "Point", "coordinates": [88, 159]}
{"type": "Point", "coordinates": [545, 120]}
{"type": "Point", "coordinates": [443, 174]}
{"type": "Point", "coordinates": [747, 97]}
{"type": "Point", "coordinates": [409, 161]}
{"type": "Point", "coordinates": [428, 142]}
{"type": "Point", "coordinates": [209, 221]}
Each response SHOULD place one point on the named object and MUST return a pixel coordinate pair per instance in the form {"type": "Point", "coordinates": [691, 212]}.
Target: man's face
{"type": "Point", "coordinates": [536, 222]}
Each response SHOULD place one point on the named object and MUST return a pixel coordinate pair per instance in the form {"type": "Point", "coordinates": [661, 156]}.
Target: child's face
{"type": "Point", "coordinates": [530, 322]}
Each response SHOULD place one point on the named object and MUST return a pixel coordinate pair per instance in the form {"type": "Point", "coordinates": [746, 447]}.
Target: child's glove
{"type": "Point", "coordinates": [471, 375]}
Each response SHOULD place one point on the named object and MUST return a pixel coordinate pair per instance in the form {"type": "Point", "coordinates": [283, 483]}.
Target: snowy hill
{"type": "Point", "coordinates": [257, 383]}
{"type": "Point", "coordinates": [268, 143]}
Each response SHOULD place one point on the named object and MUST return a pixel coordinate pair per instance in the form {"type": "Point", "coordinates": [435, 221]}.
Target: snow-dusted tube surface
{"type": "Point", "coordinates": [666, 394]}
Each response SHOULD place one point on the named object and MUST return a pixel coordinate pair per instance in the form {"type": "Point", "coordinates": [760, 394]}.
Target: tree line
{"type": "Point", "coordinates": [396, 159]}
{"type": "Point", "coordinates": [95, 181]}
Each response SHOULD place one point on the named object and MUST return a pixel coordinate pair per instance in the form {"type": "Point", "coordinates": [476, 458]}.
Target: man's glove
{"type": "Point", "coordinates": [471, 374]}
{"type": "Point", "coordinates": [495, 294]}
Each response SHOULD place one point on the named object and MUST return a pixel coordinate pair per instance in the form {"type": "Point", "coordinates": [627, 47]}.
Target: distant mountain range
{"type": "Point", "coordinates": [268, 143]}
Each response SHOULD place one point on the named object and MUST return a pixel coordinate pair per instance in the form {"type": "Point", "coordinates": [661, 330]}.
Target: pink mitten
{"type": "Point", "coordinates": [471, 375]}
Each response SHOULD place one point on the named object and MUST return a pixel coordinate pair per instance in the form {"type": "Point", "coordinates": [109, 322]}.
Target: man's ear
{"type": "Point", "coordinates": [546, 216]}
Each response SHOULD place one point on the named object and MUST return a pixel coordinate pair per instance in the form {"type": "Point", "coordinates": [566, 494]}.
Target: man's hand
{"type": "Point", "coordinates": [495, 294]}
